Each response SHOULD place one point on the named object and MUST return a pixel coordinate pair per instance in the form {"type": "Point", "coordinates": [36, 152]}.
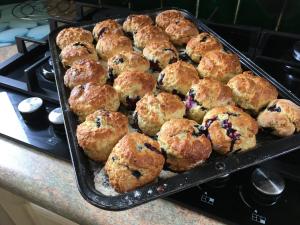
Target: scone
{"type": "Point", "coordinates": [230, 129]}
{"type": "Point", "coordinates": [200, 45]}
{"type": "Point", "coordinates": [132, 86]}
{"type": "Point", "coordinates": [181, 31]}
{"type": "Point", "coordinates": [149, 34]}
{"type": "Point", "coordinates": [136, 160]}
{"type": "Point", "coordinates": [282, 116]}
{"type": "Point", "coordinates": [167, 17]}
{"type": "Point", "coordinates": [182, 145]}
{"type": "Point", "coordinates": [100, 133]}
{"type": "Point", "coordinates": [85, 71]}
{"type": "Point", "coordinates": [87, 98]}
{"type": "Point", "coordinates": [110, 45]}
{"type": "Point", "coordinates": [152, 111]}
{"type": "Point", "coordinates": [77, 51]}
{"type": "Point", "coordinates": [127, 61]}
{"type": "Point", "coordinates": [219, 65]}
{"type": "Point", "coordinates": [135, 22]}
{"type": "Point", "coordinates": [178, 78]}
{"type": "Point", "coordinates": [205, 95]}
{"type": "Point", "coordinates": [160, 54]}
{"type": "Point", "coordinates": [252, 92]}
{"type": "Point", "coordinates": [70, 35]}
{"type": "Point", "coordinates": [106, 27]}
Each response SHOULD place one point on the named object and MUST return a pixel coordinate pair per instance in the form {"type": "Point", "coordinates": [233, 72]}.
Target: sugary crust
{"type": "Point", "coordinates": [77, 51]}
{"type": "Point", "coordinates": [153, 111]}
{"type": "Point", "coordinates": [200, 45]}
{"type": "Point", "coordinates": [252, 92]}
{"type": "Point", "coordinates": [219, 65]}
{"type": "Point", "coordinates": [149, 34]}
{"type": "Point", "coordinates": [167, 17]}
{"type": "Point", "coordinates": [86, 99]}
{"type": "Point", "coordinates": [135, 22]}
{"type": "Point", "coordinates": [281, 115]}
{"type": "Point", "coordinates": [107, 27]}
{"type": "Point", "coordinates": [112, 44]}
{"type": "Point", "coordinates": [162, 53]}
{"type": "Point", "coordinates": [84, 71]}
{"type": "Point", "coordinates": [136, 160]}
{"type": "Point", "coordinates": [70, 35]}
{"type": "Point", "coordinates": [178, 76]}
{"type": "Point", "coordinates": [181, 31]}
{"type": "Point", "coordinates": [134, 85]}
{"type": "Point", "coordinates": [127, 61]}
{"type": "Point", "coordinates": [230, 129]}
{"type": "Point", "coordinates": [184, 149]}
{"type": "Point", "coordinates": [100, 133]}
{"type": "Point", "coordinates": [205, 95]}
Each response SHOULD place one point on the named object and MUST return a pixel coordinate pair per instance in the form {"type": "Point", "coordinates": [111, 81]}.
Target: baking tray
{"type": "Point", "coordinates": [268, 146]}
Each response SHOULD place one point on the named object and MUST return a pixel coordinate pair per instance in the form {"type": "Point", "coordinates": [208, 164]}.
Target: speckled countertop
{"type": "Point", "coordinates": [50, 183]}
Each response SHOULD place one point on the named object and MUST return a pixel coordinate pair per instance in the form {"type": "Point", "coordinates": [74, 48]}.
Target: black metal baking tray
{"type": "Point", "coordinates": [267, 147]}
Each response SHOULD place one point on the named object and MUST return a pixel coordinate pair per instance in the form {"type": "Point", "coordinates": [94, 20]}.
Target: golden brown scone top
{"type": "Point", "coordinates": [183, 147]}
{"type": "Point", "coordinates": [106, 27]}
{"type": "Point", "coordinates": [230, 129]}
{"type": "Point", "coordinates": [112, 44]}
{"type": "Point", "coordinates": [135, 161]}
{"type": "Point", "coordinates": [87, 98]}
{"type": "Point", "coordinates": [70, 35]}
{"type": "Point", "coordinates": [181, 31]}
{"type": "Point", "coordinates": [252, 92]}
{"type": "Point", "coordinates": [281, 115]}
{"type": "Point", "coordinates": [219, 65]}
{"type": "Point", "coordinates": [201, 44]}
{"type": "Point", "coordinates": [84, 71]}
{"type": "Point", "coordinates": [167, 17]}
{"type": "Point", "coordinates": [77, 51]}
{"type": "Point", "coordinates": [149, 34]}
{"type": "Point", "coordinates": [135, 22]}
{"type": "Point", "coordinates": [178, 77]}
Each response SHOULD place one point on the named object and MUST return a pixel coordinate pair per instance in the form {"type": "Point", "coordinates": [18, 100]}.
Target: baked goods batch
{"type": "Point", "coordinates": [142, 107]}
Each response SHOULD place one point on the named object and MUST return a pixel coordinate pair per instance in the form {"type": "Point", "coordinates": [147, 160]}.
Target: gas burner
{"type": "Point", "coordinates": [48, 71]}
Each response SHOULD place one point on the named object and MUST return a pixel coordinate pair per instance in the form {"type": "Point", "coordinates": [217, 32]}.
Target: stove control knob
{"type": "Point", "coordinates": [219, 182]}
{"type": "Point", "coordinates": [32, 110]}
{"type": "Point", "coordinates": [266, 186]}
{"type": "Point", "coordinates": [57, 120]}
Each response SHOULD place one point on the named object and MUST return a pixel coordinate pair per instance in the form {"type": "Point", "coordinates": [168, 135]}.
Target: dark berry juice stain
{"type": "Point", "coordinates": [152, 148]}
{"type": "Point", "coordinates": [98, 122]}
{"type": "Point", "coordinates": [160, 79]}
{"type": "Point", "coordinates": [101, 32]}
{"type": "Point", "coordinates": [274, 108]}
{"type": "Point", "coordinates": [154, 66]}
{"type": "Point", "coordinates": [82, 45]}
{"type": "Point", "coordinates": [118, 60]}
{"type": "Point", "coordinates": [136, 174]}
{"type": "Point", "coordinates": [230, 132]}
{"type": "Point", "coordinates": [172, 60]}
{"type": "Point", "coordinates": [131, 102]}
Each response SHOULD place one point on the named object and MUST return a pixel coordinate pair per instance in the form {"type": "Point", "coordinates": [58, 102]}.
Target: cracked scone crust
{"type": "Point", "coordinates": [136, 160]}
{"type": "Point", "coordinates": [110, 45]}
{"type": "Point", "coordinates": [178, 78]}
{"type": "Point", "coordinates": [100, 133]}
{"type": "Point", "coordinates": [205, 95]}
{"type": "Point", "coordinates": [132, 86]}
{"type": "Point", "coordinates": [87, 98]}
{"type": "Point", "coordinates": [135, 22]}
{"type": "Point", "coordinates": [160, 54]}
{"type": "Point", "coordinates": [70, 35]}
{"type": "Point", "coordinates": [252, 92]}
{"type": "Point", "coordinates": [219, 65]}
{"type": "Point", "coordinates": [200, 45]}
{"type": "Point", "coordinates": [181, 31]}
{"type": "Point", "coordinates": [77, 51]}
{"type": "Point", "coordinates": [149, 34]}
{"type": "Point", "coordinates": [282, 116]}
{"type": "Point", "coordinates": [167, 17]}
{"type": "Point", "coordinates": [127, 61]}
{"type": "Point", "coordinates": [230, 129]}
{"type": "Point", "coordinates": [182, 144]}
{"type": "Point", "coordinates": [107, 27]}
{"type": "Point", "coordinates": [152, 111]}
{"type": "Point", "coordinates": [85, 71]}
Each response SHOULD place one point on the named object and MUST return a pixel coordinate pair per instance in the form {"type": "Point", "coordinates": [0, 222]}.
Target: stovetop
{"type": "Point", "coordinates": [234, 198]}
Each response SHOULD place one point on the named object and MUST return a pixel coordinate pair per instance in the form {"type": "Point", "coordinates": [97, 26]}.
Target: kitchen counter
{"type": "Point", "coordinates": [50, 183]}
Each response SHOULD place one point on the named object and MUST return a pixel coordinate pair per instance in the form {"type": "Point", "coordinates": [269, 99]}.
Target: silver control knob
{"type": "Point", "coordinates": [32, 110]}
{"type": "Point", "coordinates": [57, 120]}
